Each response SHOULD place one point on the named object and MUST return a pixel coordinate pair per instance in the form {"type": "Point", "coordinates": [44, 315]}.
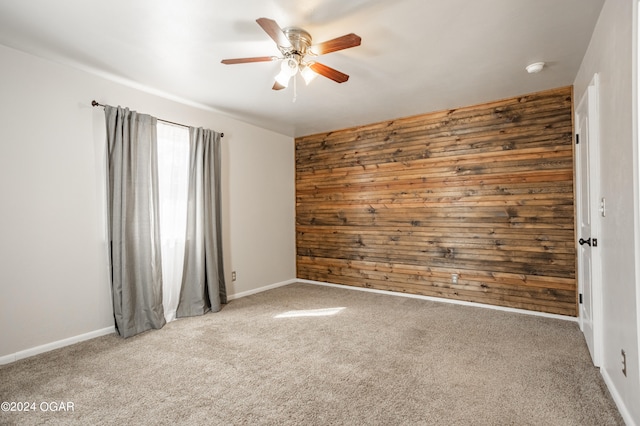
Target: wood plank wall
{"type": "Point", "coordinates": [484, 192]}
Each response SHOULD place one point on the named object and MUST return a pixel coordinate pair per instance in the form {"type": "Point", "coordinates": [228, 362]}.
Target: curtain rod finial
{"type": "Point", "coordinates": [94, 103]}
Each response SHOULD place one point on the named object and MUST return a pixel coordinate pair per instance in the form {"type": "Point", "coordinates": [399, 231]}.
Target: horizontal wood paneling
{"type": "Point", "coordinates": [485, 192]}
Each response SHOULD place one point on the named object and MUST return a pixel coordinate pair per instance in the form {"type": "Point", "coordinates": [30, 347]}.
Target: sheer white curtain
{"type": "Point", "coordinates": [173, 176]}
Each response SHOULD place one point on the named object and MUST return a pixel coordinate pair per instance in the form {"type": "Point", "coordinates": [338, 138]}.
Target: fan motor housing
{"type": "Point", "coordinates": [300, 41]}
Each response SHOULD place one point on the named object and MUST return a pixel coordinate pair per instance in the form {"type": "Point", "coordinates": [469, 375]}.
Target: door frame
{"type": "Point", "coordinates": [597, 209]}
{"type": "Point", "coordinates": [635, 96]}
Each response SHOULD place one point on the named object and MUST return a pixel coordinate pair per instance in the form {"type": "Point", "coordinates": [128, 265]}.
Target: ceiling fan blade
{"type": "Point", "coordinates": [329, 72]}
{"type": "Point", "coordinates": [278, 86]}
{"type": "Point", "coordinates": [247, 60]}
{"type": "Point", "coordinates": [340, 43]}
{"type": "Point", "coordinates": [275, 32]}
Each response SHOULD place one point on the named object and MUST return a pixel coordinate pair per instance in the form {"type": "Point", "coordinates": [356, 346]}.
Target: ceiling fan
{"type": "Point", "coordinates": [295, 45]}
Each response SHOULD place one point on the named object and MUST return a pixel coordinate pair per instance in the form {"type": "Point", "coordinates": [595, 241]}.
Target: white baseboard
{"type": "Point", "coordinates": [443, 300]}
{"type": "Point", "coordinates": [261, 289]}
{"type": "Point", "coordinates": [615, 395]}
{"type": "Point", "coordinates": [7, 359]}
{"type": "Point", "coordinates": [97, 333]}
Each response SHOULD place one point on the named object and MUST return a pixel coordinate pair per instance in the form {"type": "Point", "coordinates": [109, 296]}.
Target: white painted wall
{"type": "Point", "coordinates": [53, 260]}
{"type": "Point", "coordinates": [610, 54]}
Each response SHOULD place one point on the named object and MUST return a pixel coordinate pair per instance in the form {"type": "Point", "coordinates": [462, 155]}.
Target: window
{"type": "Point", "coordinates": [173, 176]}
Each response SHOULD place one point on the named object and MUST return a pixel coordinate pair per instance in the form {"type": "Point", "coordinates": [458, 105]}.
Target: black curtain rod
{"type": "Point", "coordinates": [96, 103]}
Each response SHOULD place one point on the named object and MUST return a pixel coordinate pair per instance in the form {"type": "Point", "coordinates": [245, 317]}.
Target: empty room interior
{"type": "Point", "coordinates": [320, 212]}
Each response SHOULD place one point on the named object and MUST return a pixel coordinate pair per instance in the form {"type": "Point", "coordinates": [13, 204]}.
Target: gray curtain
{"type": "Point", "coordinates": [136, 270]}
{"type": "Point", "coordinates": [203, 286]}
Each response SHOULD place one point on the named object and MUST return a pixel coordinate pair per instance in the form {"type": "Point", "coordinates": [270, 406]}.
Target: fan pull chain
{"type": "Point", "coordinates": [295, 88]}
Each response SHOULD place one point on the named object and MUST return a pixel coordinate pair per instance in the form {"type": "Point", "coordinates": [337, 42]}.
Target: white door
{"type": "Point", "coordinates": [588, 211]}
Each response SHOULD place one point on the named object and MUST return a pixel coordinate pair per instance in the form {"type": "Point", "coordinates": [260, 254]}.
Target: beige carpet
{"type": "Point", "coordinates": [382, 360]}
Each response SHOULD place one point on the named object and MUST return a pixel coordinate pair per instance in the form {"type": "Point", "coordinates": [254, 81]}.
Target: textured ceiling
{"type": "Point", "coordinates": [416, 56]}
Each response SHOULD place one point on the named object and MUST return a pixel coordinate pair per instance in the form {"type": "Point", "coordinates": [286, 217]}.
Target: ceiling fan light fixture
{"type": "Point", "coordinates": [295, 43]}
{"type": "Point", "coordinates": [283, 78]}
{"type": "Point", "coordinates": [308, 74]}
{"type": "Point", "coordinates": [289, 66]}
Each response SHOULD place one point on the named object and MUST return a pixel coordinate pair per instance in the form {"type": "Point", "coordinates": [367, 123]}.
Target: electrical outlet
{"type": "Point", "coordinates": [233, 276]}
{"type": "Point", "coordinates": [454, 278]}
{"type": "Point", "coordinates": [624, 362]}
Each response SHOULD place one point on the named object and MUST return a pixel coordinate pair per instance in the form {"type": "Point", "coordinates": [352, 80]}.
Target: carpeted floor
{"type": "Point", "coordinates": [290, 356]}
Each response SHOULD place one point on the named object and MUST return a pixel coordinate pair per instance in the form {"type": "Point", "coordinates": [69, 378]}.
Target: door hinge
{"type": "Point", "coordinates": [594, 242]}
{"type": "Point", "coordinates": [577, 138]}
{"type": "Point", "coordinates": [580, 298]}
